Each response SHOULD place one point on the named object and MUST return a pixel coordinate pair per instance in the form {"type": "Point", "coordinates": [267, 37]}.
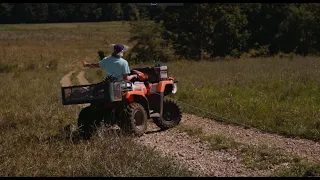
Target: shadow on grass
{"type": "Point", "coordinates": [71, 133]}
{"type": "Point", "coordinates": [68, 133]}
{"type": "Point", "coordinates": [6, 126]}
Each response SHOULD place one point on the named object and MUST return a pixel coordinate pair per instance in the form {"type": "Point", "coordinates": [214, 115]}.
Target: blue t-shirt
{"type": "Point", "coordinates": [115, 66]}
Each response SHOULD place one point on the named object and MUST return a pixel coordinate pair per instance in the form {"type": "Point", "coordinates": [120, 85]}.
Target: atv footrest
{"type": "Point", "coordinates": [155, 115]}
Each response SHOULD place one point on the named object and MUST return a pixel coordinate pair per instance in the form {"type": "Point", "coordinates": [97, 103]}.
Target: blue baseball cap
{"type": "Point", "coordinates": [119, 47]}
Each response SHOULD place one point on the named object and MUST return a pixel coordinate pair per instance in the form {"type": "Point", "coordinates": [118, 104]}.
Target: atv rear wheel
{"type": "Point", "coordinates": [88, 120]}
{"type": "Point", "coordinates": [135, 121]}
{"type": "Point", "coordinates": [171, 115]}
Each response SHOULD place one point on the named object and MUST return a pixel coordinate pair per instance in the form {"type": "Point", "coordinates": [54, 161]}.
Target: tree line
{"type": "Point", "coordinates": [238, 29]}
{"type": "Point", "coordinates": [74, 12]}
{"type": "Point", "coordinates": [195, 30]}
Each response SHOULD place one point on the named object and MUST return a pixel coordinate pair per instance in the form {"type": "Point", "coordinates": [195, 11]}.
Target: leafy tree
{"type": "Point", "coordinates": [216, 29]}
{"type": "Point", "coordinates": [315, 42]}
{"type": "Point", "coordinates": [86, 12]}
{"type": "Point", "coordinates": [130, 12]}
{"type": "Point", "coordinates": [190, 32]}
{"type": "Point", "coordinates": [41, 12]}
{"type": "Point", "coordinates": [23, 13]}
{"type": "Point", "coordinates": [149, 44]}
{"type": "Point", "coordinates": [115, 11]}
{"type": "Point", "coordinates": [111, 11]}
{"type": "Point", "coordinates": [143, 12]}
{"type": "Point", "coordinates": [229, 36]}
{"type": "Point", "coordinates": [61, 12]}
{"type": "Point", "coordinates": [297, 31]}
{"type": "Point", "coordinates": [263, 23]}
{"type": "Point", "coordinates": [96, 13]}
{"type": "Point", "coordinates": [5, 12]}
{"type": "Point", "coordinates": [156, 12]}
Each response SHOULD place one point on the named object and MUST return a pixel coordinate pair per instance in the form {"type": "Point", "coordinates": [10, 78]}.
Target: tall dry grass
{"type": "Point", "coordinates": [274, 94]}
{"type": "Point", "coordinates": [33, 121]}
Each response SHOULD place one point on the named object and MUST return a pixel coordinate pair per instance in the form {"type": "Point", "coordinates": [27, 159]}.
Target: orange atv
{"type": "Point", "coordinates": [128, 104]}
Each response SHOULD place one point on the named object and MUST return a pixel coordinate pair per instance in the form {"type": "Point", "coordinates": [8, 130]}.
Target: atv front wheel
{"type": "Point", "coordinates": [136, 120]}
{"type": "Point", "coordinates": [171, 115]}
{"type": "Point", "coordinates": [88, 120]}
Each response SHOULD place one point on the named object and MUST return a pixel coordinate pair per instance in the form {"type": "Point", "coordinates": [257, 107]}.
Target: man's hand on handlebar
{"type": "Point", "coordinates": [130, 77]}
{"type": "Point", "coordinates": [140, 76]}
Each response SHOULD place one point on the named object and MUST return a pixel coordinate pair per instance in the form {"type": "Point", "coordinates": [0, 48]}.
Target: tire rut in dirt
{"type": "Point", "coordinates": [65, 80]}
{"type": "Point", "coordinates": [81, 78]}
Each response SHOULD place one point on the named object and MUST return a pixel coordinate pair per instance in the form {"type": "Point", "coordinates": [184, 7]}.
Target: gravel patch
{"type": "Point", "coordinates": [197, 155]}
{"type": "Point", "coordinates": [301, 147]}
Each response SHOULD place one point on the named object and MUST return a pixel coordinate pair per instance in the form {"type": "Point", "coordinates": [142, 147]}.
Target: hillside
{"type": "Point", "coordinates": [35, 137]}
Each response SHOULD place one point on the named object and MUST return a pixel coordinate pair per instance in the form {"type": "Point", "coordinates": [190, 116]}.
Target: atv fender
{"type": "Point", "coordinates": [139, 97]}
{"type": "Point", "coordinates": [163, 88]}
{"type": "Point", "coordinates": [162, 85]}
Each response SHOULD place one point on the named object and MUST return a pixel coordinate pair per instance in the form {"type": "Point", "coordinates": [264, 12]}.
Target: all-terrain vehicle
{"type": "Point", "coordinates": [130, 104]}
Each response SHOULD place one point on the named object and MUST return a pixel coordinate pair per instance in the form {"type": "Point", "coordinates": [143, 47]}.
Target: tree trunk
{"type": "Point", "coordinates": [201, 51]}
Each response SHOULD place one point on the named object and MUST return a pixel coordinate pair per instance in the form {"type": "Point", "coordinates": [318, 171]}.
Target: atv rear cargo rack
{"type": "Point", "coordinates": [100, 92]}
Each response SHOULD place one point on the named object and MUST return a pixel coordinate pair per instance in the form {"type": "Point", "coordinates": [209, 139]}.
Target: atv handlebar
{"type": "Point", "coordinates": [152, 74]}
{"type": "Point", "coordinates": [140, 75]}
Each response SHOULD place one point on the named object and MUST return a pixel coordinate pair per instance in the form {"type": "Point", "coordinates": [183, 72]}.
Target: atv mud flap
{"type": "Point", "coordinates": [156, 104]}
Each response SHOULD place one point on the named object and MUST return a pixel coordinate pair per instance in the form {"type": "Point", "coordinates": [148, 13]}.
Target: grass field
{"type": "Point", "coordinates": [32, 117]}
{"type": "Point", "coordinates": [275, 94]}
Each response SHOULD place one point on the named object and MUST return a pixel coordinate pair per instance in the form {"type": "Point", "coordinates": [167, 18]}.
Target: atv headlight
{"type": "Point", "coordinates": [174, 88]}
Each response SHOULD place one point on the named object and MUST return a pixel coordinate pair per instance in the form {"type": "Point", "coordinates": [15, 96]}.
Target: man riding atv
{"type": "Point", "coordinates": [115, 66]}
{"type": "Point", "coordinates": [126, 98]}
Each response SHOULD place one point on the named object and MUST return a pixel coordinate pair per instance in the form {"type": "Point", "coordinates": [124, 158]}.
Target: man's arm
{"type": "Point", "coordinates": [129, 77]}
{"type": "Point", "coordinates": [92, 65]}
{"type": "Point", "coordinates": [126, 72]}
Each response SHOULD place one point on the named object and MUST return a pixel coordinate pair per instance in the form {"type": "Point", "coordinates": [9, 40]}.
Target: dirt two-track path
{"type": "Point", "coordinates": [200, 158]}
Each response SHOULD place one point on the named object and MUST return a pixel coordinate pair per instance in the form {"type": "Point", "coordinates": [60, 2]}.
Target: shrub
{"type": "Point", "coordinates": [261, 51]}
{"type": "Point", "coordinates": [101, 54]}
{"type": "Point", "coordinates": [6, 68]}
{"type": "Point", "coordinates": [150, 46]}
